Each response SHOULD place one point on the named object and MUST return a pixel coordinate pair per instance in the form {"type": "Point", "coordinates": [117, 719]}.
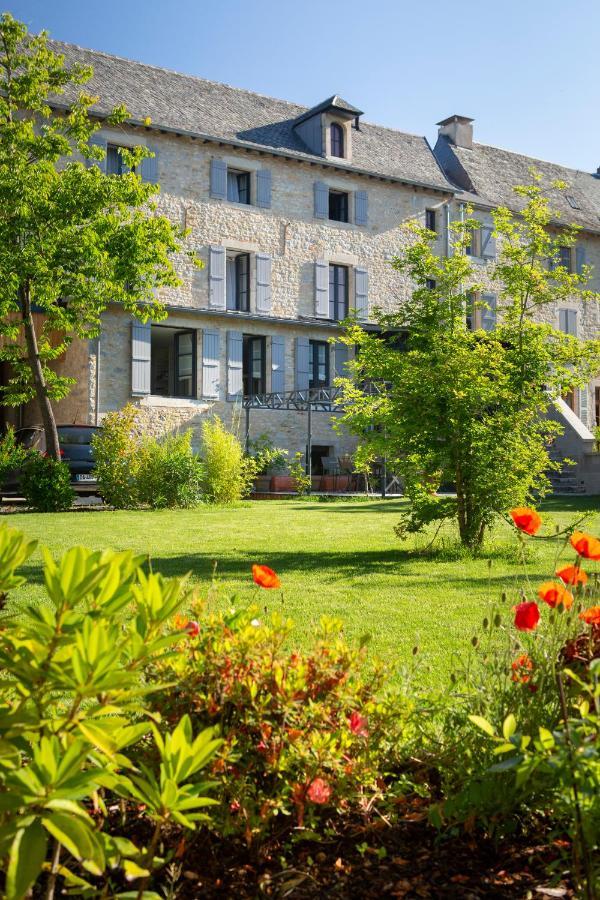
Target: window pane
{"type": "Point", "coordinates": [233, 193]}
{"type": "Point", "coordinates": [243, 180]}
{"type": "Point", "coordinates": [114, 162]}
{"type": "Point", "coordinates": [337, 140]}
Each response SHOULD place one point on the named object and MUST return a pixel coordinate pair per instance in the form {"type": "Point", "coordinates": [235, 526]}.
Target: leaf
{"type": "Point", "coordinates": [483, 724]}
{"type": "Point", "coordinates": [133, 871]}
{"type": "Point", "coordinates": [509, 726]}
{"type": "Point", "coordinates": [78, 838]}
{"type": "Point", "coordinates": [27, 854]}
{"type": "Point", "coordinates": [546, 738]}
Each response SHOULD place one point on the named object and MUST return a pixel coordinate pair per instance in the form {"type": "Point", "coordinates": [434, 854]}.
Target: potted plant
{"type": "Point", "coordinates": [269, 461]}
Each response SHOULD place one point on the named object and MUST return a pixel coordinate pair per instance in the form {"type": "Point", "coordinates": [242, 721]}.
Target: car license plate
{"type": "Point", "coordinates": [84, 478]}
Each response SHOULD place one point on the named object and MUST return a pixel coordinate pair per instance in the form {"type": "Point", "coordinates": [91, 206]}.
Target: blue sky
{"type": "Point", "coordinates": [527, 71]}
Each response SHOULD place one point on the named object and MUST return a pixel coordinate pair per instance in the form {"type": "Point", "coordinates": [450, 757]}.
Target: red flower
{"type": "Point", "coordinates": [527, 616]}
{"type": "Point", "coordinates": [572, 575]}
{"type": "Point", "coordinates": [319, 791]}
{"type": "Point", "coordinates": [358, 724]}
{"type": "Point", "coordinates": [526, 519]}
{"type": "Point", "coordinates": [522, 668]}
{"type": "Point", "coordinates": [553, 594]}
{"type": "Point", "coordinates": [585, 545]}
{"type": "Point", "coordinates": [234, 806]}
{"type": "Point", "coordinates": [265, 577]}
{"type": "Point", "coordinates": [182, 623]}
{"type": "Point", "coordinates": [591, 616]}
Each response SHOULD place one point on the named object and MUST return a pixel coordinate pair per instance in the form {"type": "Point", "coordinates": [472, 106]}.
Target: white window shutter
{"type": "Point", "coordinates": [140, 358]}
{"type": "Point", "coordinates": [361, 294]}
{"type": "Point", "coordinates": [263, 283]}
{"type": "Point", "coordinates": [235, 362]}
{"type": "Point", "coordinates": [322, 289]}
{"type": "Point", "coordinates": [216, 277]}
{"type": "Point", "coordinates": [277, 364]}
{"type": "Point", "coordinates": [583, 405]}
{"type": "Point", "coordinates": [210, 364]}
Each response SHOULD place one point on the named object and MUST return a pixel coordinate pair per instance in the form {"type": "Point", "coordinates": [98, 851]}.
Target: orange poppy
{"type": "Point", "coordinates": [572, 575]}
{"type": "Point", "coordinates": [526, 519]}
{"type": "Point", "coordinates": [554, 594]}
{"type": "Point", "coordinates": [591, 616]}
{"type": "Point", "coordinates": [585, 545]}
{"type": "Point", "coordinates": [522, 668]}
{"type": "Point", "coordinates": [265, 577]}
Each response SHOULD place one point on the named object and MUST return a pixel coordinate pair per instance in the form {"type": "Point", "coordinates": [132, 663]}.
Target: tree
{"type": "Point", "coordinates": [72, 239]}
{"type": "Point", "coordinates": [462, 408]}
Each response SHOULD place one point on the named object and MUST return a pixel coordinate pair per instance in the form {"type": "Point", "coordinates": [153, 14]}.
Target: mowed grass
{"type": "Point", "coordinates": [341, 559]}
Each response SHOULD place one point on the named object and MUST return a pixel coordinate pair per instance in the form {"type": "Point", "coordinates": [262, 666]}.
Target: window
{"type": "Point", "coordinates": [430, 284]}
{"type": "Point", "coordinates": [565, 258]}
{"type": "Point", "coordinates": [338, 292]}
{"type": "Point", "coordinates": [336, 134]}
{"type": "Point", "coordinates": [238, 186]}
{"type": "Point", "coordinates": [318, 364]}
{"type": "Point", "coordinates": [567, 321]}
{"type": "Point", "coordinates": [572, 201]}
{"type": "Point", "coordinates": [172, 362]}
{"type": "Point", "coordinates": [237, 282]}
{"type": "Point", "coordinates": [338, 206]}
{"type": "Point", "coordinates": [114, 161]}
{"type": "Point", "coordinates": [254, 367]}
{"type": "Point", "coordinates": [430, 220]}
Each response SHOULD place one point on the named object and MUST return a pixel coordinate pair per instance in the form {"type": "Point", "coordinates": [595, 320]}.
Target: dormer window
{"type": "Point", "coordinates": [336, 134]}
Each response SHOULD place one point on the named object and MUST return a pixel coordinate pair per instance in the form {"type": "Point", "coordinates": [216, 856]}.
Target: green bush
{"type": "Point", "coordinates": [302, 481]}
{"type": "Point", "coordinates": [228, 474]}
{"type": "Point", "coordinates": [46, 483]}
{"type": "Point", "coordinates": [169, 473]}
{"type": "Point", "coordinates": [12, 455]}
{"type": "Point", "coordinates": [267, 457]}
{"type": "Point", "coordinates": [117, 458]}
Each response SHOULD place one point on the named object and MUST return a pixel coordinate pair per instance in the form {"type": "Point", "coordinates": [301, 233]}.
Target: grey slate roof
{"type": "Point", "coordinates": [208, 108]}
{"type": "Point", "coordinates": [488, 174]}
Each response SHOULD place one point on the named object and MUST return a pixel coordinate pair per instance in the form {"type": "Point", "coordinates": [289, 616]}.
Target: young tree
{"type": "Point", "coordinates": [452, 406]}
{"type": "Point", "coordinates": [72, 239]}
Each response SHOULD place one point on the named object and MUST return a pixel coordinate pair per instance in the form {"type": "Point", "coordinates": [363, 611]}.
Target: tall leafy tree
{"type": "Point", "coordinates": [465, 408]}
{"type": "Point", "coordinates": [72, 239]}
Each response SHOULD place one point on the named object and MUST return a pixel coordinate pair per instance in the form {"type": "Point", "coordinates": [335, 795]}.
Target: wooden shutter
{"type": "Point", "coordinates": [321, 200]}
{"type": "Point", "coordinates": [277, 364]}
{"type": "Point", "coordinates": [235, 364]}
{"type": "Point", "coordinates": [583, 405]}
{"type": "Point", "coordinates": [488, 312]}
{"type": "Point", "coordinates": [218, 179]}
{"type": "Point", "coordinates": [302, 364]}
{"type": "Point", "coordinates": [140, 357]}
{"type": "Point", "coordinates": [263, 283]}
{"type": "Point", "coordinates": [361, 294]}
{"type": "Point", "coordinates": [97, 141]}
{"type": "Point", "coordinates": [361, 208]}
{"type": "Point", "coordinates": [216, 277]}
{"type": "Point", "coordinates": [150, 167]}
{"type": "Point", "coordinates": [263, 188]}
{"type": "Point", "coordinates": [210, 364]}
{"type": "Point", "coordinates": [322, 289]}
{"type": "Point", "coordinates": [488, 242]}
{"type": "Point", "coordinates": [579, 259]}
{"type": "Point", "coordinates": [340, 357]}
{"type": "Point", "coordinates": [567, 321]}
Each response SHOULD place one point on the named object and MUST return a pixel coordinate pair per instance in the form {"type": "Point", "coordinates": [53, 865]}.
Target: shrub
{"type": "Point", "coordinates": [117, 458]}
{"type": "Point", "coordinates": [46, 483]}
{"type": "Point", "coordinates": [12, 455]}
{"type": "Point", "coordinates": [228, 475]}
{"type": "Point", "coordinates": [302, 481]}
{"type": "Point", "coordinates": [169, 473]}
{"type": "Point", "coordinates": [267, 457]}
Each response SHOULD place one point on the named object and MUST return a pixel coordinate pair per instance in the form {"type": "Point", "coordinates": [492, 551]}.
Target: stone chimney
{"type": "Point", "coordinates": [458, 130]}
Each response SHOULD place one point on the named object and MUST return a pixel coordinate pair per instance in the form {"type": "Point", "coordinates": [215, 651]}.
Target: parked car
{"type": "Point", "coordinates": [75, 449]}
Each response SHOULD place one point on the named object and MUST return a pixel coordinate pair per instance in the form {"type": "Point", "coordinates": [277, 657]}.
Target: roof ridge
{"type": "Point", "coordinates": [533, 158]}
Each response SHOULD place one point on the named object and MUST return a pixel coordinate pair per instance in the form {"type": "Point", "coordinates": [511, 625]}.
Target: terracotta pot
{"type": "Point", "coordinates": [282, 483]}
{"type": "Point", "coordinates": [262, 484]}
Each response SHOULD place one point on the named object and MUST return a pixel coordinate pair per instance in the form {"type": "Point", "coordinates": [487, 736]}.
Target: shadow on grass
{"type": "Point", "coordinates": [565, 504]}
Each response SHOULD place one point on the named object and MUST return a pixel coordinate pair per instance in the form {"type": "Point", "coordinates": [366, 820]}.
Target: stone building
{"type": "Point", "coordinates": [295, 213]}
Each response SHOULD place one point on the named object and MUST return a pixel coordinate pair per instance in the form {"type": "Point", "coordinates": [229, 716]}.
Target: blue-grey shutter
{"type": "Point", "coordinates": [361, 208]}
{"type": "Point", "coordinates": [149, 170]}
{"type": "Point", "coordinates": [321, 200]}
{"type": "Point", "coordinates": [322, 289]}
{"type": "Point", "coordinates": [235, 361]}
{"type": "Point", "coordinates": [340, 357]}
{"type": "Point", "coordinates": [97, 141]}
{"type": "Point", "coordinates": [277, 364]}
{"type": "Point", "coordinates": [361, 294]}
{"type": "Point", "coordinates": [302, 364]}
{"type": "Point", "coordinates": [263, 188]}
{"type": "Point", "coordinates": [210, 364]}
{"type": "Point", "coordinates": [488, 312]}
{"type": "Point", "coordinates": [579, 259]}
{"type": "Point", "coordinates": [583, 405]}
{"type": "Point", "coordinates": [140, 357]}
{"type": "Point", "coordinates": [216, 277]}
{"type": "Point", "coordinates": [218, 179]}
{"type": "Point", "coordinates": [567, 321]}
{"type": "Point", "coordinates": [263, 283]}
{"type": "Point", "coordinates": [488, 242]}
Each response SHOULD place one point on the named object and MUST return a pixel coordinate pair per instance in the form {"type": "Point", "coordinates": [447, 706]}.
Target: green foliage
{"type": "Point", "coordinates": [302, 481]}
{"type": "Point", "coordinates": [169, 474]}
{"type": "Point", "coordinates": [46, 483]}
{"type": "Point", "coordinates": [228, 474]}
{"type": "Point", "coordinates": [12, 455]}
{"type": "Point", "coordinates": [464, 408]}
{"type": "Point", "coordinates": [117, 459]}
{"type": "Point", "coordinates": [267, 457]}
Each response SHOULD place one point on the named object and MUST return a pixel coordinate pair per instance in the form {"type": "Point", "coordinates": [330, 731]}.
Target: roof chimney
{"type": "Point", "coordinates": [458, 130]}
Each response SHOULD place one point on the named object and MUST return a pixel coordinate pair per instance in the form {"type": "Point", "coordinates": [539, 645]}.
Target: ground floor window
{"type": "Point", "coordinates": [172, 361]}
{"type": "Point", "coordinates": [318, 359]}
{"type": "Point", "coordinates": [254, 364]}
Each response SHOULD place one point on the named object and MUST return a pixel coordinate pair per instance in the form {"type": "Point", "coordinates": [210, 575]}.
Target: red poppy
{"type": "Point", "coordinates": [182, 623]}
{"type": "Point", "coordinates": [591, 616]}
{"type": "Point", "coordinates": [319, 791]}
{"type": "Point", "coordinates": [358, 724]}
{"type": "Point", "coordinates": [572, 575]}
{"type": "Point", "coordinates": [585, 545]}
{"type": "Point", "coordinates": [265, 577]}
{"type": "Point", "coordinates": [526, 519]}
{"type": "Point", "coordinates": [527, 616]}
{"type": "Point", "coordinates": [522, 668]}
{"type": "Point", "coordinates": [553, 593]}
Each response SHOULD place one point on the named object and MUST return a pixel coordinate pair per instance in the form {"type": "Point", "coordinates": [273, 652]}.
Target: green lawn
{"type": "Point", "coordinates": [340, 558]}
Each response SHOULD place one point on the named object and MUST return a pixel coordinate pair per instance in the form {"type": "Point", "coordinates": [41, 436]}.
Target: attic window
{"type": "Point", "coordinates": [573, 202]}
{"type": "Point", "coordinates": [336, 133]}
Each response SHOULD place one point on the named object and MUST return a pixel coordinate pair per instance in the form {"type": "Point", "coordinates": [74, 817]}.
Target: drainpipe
{"type": "Point", "coordinates": [97, 390]}
{"type": "Point", "coordinates": [447, 229]}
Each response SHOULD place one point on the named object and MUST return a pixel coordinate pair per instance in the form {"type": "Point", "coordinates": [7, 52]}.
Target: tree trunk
{"type": "Point", "coordinates": [37, 371]}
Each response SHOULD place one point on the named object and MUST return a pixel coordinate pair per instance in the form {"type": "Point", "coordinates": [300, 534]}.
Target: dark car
{"type": "Point", "coordinates": [75, 449]}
